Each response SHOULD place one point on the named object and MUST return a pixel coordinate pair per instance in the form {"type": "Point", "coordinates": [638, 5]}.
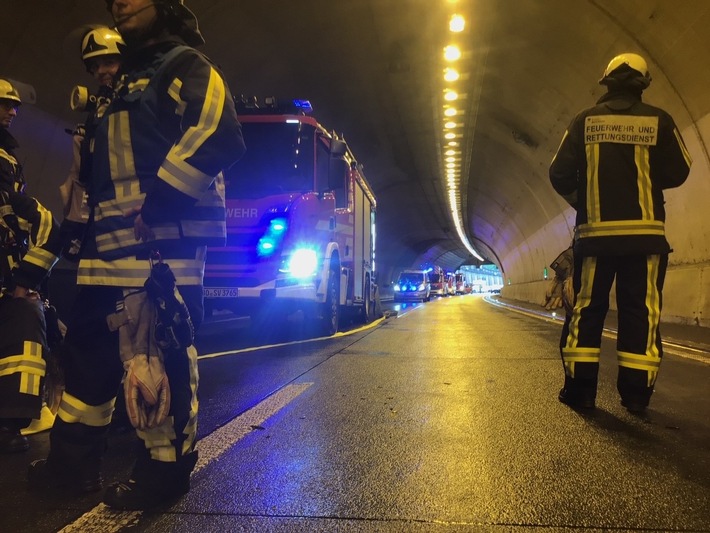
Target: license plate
{"type": "Point", "coordinates": [220, 292]}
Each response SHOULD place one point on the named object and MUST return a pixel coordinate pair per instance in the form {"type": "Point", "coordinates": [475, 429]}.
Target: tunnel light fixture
{"type": "Point", "coordinates": [450, 152]}
{"type": "Point", "coordinates": [451, 74]}
{"type": "Point", "coordinates": [450, 112]}
{"type": "Point", "coordinates": [452, 143]}
{"type": "Point", "coordinates": [450, 136]}
{"type": "Point", "coordinates": [450, 159]}
{"type": "Point", "coordinates": [452, 53]}
{"type": "Point", "coordinates": [457, 23]}
{"type": "Point", "coordinates": [450, 95]}
{"type": "Point", "coordinates": [450, 125]}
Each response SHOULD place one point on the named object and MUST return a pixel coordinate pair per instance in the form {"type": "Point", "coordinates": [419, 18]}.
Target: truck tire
{"type": "Point", "coordinates": [366, 311]}
{"type": "Point", "coordinates": [330, 310]}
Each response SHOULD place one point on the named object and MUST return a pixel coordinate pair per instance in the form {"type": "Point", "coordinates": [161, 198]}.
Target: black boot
{"type": "Point", "coordinates": [44, 474]}
{"type": "Point", "coordinates": [153, 483]}
{"type": "Point", "coordinates": [578, 393]}
{"type": "Point", "coordinates": [11, 440]}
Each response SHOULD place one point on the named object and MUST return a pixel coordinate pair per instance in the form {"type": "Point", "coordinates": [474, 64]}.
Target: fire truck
{"type": "Point", "coordinates": [300, 224]}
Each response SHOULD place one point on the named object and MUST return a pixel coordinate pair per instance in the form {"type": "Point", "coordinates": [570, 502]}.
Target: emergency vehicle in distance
{"type": "Point", "coordinates": [300, 224]}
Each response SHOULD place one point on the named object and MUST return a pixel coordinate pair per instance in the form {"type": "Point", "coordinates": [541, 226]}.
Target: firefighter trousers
{"type": "Point", "coordinates": [23, 342]}
{"type": "Point", "coordinates": [93, 373]}
{"type": "Point", "coordinates": [639, 285]}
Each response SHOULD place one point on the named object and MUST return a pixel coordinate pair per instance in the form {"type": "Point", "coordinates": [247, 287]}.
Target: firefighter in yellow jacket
{"type": "Point", "coordinates": [156, 186]}
{"type": "Point", "coordinates": [29, 240]}
{"type": "Point", "coordinates": [612, 166]}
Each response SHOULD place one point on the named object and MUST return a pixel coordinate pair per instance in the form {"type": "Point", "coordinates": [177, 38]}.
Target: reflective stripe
{"type": "Point", "coordinates": [190, 430]}
{"type": "Point", "coordinates": [121, 163]}
{"type": "Point", "coordinates": [159, 441]}
{"type": "Point", "coordinates": [174, 92]}
{"type": "Point", "coordinates": [204, 228]}
{"type": "Point", "coordinates": [643, 181]}
{"type": "Point", "coordinates": [571, 356]}
{"type": "Point", "coordinates": [115, 207]}
{"type": "Point", "coordinates": [593, 209]}
{"type": "Point", "coordinates": [29, 364]}
{"type": "Point", "coordinates": [133, 272]}
{"type": "Point", "coordinates": [621, 227]}
{"type": "Point", "coordinates": [8, 157]}
{"type": "Point", "coordinates": [184, 177]}
{"type": "Point", "coordinates": [40, 257]}
{"type": "Point", "coordinates": [74, 411]}
{"type": "Point", "coordinates": [683, 148]}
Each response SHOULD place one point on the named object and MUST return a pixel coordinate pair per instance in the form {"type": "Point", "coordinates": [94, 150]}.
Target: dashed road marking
{"type": "Point", "coordinates": [103, 519]}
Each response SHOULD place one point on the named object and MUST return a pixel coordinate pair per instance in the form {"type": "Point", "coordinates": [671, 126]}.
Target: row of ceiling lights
{"type": "Point", "coordinates": [453, 124]}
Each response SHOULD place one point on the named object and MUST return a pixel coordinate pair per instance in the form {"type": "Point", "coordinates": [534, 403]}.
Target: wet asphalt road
{"type": "Point", "coordinates": [443, 418]}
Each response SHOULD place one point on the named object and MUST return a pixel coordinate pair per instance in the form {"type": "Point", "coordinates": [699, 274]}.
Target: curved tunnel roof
{"type": "Point", "coordinates": [373, 70]}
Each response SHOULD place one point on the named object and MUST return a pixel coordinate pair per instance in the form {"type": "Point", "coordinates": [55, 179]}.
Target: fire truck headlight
{"type": "Point", "coordinates": [397, 288]}
{"type": "Point", "coordinates": [303, 263]}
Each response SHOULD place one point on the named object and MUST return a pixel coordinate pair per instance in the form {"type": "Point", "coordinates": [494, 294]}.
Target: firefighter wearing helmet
{"type": "Point", "coordinates": [615, 160]}
{"type": "Point", "coordinates": [100, 50]}
{"type": "Point", "coordinates": [29, 247]}
{"type": "Point", "coordinates": [155, 192]}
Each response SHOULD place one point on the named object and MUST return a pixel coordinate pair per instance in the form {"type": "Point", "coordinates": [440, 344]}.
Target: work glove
{"type": "Point", "coordinates": [147, 391]}
{"type": "Point", "coordinates": [568, 295]}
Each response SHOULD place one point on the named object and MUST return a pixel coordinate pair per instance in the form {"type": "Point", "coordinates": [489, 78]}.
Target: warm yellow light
{"type": "Point", "coordinates": [450, 159]}
{"type": "Point", "coordinates": [450, 152]}
{"type": "Point", "coordinates": [452, 143]}
{"type": "Point", "coordinates": [457, 23]}
{"type": "Point", "coordinates": [450, 124]}
{"type": "Point", "coordinates": [450, 95]}
{"type": "Point", "coordinates": [450, 112]}
{"type": "Point", "coordinates": [451, 74]}
{"type": "Point", "coordinates": [452, 53]}
{"type": "Point", "coordinates": [450, 136]}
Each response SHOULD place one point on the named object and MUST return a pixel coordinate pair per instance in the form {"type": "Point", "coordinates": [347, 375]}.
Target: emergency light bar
{"type": "Point", "coordinates": [249, 105]}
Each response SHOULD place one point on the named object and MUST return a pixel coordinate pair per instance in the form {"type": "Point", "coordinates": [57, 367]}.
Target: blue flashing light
{"type": "Point", "coordinates": [278, 225]}
{"type": "Point", "coordinates": [302, 105]}
{"type": "Point", "coordinates": [272, 237]}
{"type": "Point", "coordinates": [303, 263]}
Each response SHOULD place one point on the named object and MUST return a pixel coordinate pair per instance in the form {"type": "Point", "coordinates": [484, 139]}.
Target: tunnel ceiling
{"type": "Point", "coordinates": [373, 71]}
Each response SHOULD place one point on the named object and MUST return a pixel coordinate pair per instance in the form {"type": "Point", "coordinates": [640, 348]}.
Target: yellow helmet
{"type": "Point", "coordinates": [632, 61]}
{"type": "Point", "coordinates": [101, 41]}
{"type": "Point", "coordinates": [8, 92]}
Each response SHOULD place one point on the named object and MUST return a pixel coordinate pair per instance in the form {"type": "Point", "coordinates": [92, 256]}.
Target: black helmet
{"type": "Point", "coordinates": [178, 19]}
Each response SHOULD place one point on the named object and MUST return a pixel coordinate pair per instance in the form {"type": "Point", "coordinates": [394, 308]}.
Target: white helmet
{"type": "Point", "coordinates": [8, 92]}
{"type": "Point", "coordinates": [101, 41]}
{"type": "Point", "coordinates": [632, 61]}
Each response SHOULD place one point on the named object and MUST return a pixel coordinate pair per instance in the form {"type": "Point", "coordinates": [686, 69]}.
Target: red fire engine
{"type": "Point", "coordinates": [300, 223]}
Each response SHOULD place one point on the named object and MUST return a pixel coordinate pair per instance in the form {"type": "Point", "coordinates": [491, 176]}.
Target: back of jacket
{"type": "Point", "coordinates": [614, 161]}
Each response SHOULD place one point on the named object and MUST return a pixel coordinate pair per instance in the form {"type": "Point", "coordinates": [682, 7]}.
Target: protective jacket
{"type": "Point", "coordinates": [160, 146]}
{"type": "Point", "coordinates": [10, 170]}
{"type": "Point", "coordinates": [614, 161]}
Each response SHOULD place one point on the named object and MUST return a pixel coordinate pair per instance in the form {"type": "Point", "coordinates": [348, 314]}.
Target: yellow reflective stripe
{"type": "Point", "coordinates": [115, 207]}
{"type": "Point", "coordinates": [204, 228]}
{"type": "Point", "coordinates": [123, 238]}
{"type": "Point", "coordinates": [190, 430]}
{"type": "Point", "coordinates": [621, 227]}
{"type": "Point", "coordinates": [182, 176]}
{"type": "Point", "coordinates": [29, 384]}
{"type": "Point", "coordinates": [639, 362]}
{"type": "Point", "coordinates": [653, 305]}
{"type": "Point", "coordinates": [133, 272]}
{"type": "Point", "coordinates": [210, 116]}
{"type": "Point", "coordinates": [6, 155]}
{"type": "Point", "coordinates": [121, 162]}
{"type": "Point", "coordinates": [138, 85]}
{"type": "Point", "coordinates": [174, 92]}
{"type": "Point", "coordinates": [40, 257]}
{"type": "Point", "coordinates": [683, 148]}
{"type": "Point", "coordinates": [593, 209]}
{"type": "Point", "coordinates": [159, 441]}
{"type": "Point", "coordinates": [643, 181]}
{"type": "Point", "coordinates": [74, 411]}
{"type": "Point", "coordinates": [583, 299]}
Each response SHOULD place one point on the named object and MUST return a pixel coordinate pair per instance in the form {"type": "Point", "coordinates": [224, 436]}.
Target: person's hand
{"type": "Point", "coordinates": [24, 292]}
{"type": "Point", "coordinates": [141, 230]}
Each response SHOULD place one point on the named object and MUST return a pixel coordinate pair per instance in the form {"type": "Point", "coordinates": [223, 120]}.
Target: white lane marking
{"type": "Point", "coordinates": [266, 346]}
{"type": "Point", "coordinates": [103, 519]}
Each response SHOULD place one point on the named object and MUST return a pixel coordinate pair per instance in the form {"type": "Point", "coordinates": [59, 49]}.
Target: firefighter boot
{"type": "Point", "coordinates": [11, 440]}
{"type": "Point", "coordinates": [70, 465]}
{"type": "Point", "coordinates": [578, 393]}
{"type": "Point", "coordinates": [152, 484]}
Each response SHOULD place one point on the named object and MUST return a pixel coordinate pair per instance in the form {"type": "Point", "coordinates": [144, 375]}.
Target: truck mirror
{"type": "Point", "coordinates": [338, 148]}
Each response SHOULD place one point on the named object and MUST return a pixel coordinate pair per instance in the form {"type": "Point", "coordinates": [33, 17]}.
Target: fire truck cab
{"type": "Point", "coordinates": [300, 223]}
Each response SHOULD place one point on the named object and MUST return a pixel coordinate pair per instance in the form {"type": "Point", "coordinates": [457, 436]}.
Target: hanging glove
{"type": "Point", "coordinates": [145, 386]}
{"type": "Point", "coordinates": [147, 391]}
{"type": "Point", "coordinates": [568, 295]}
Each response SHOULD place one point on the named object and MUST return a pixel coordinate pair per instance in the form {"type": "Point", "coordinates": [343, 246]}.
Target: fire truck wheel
{"type": "Point", "coordinates": [366, 314]}
{"type": "Point", "coordinates": [330, 312]}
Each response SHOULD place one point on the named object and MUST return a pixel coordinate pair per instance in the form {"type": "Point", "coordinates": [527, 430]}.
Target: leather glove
{"type": "Point", "coordinates": [568, 295]}
{"type": "Point", "coordinates": [147, 391]}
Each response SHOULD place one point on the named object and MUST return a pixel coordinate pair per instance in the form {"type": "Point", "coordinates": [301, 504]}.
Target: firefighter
{"type": "Point", "coordinates": [612, 166]}
{"type": "Point", "coordinates": [101, 53]}
{"type": "Point", "coordinates": [30, 244]}
{"type": "Point", "coordinates": [156, 185]}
